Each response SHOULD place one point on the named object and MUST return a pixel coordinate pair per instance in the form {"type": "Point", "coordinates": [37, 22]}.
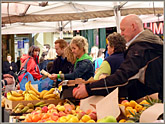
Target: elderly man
{"type": "Point", "coordinates": [142, 67]}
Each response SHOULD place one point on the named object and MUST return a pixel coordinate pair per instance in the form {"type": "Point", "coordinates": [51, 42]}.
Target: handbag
{"type": "Point", "coordinates": [42, 84]}
{"type": "Point", "coordinates": [22, 72]}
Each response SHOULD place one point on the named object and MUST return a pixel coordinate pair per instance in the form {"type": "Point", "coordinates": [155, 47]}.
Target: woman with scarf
{"type": "Point", "coordinates": [83, 67]}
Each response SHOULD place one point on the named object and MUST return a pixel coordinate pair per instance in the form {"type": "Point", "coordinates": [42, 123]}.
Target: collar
{"type": "Point", "coordinates": [127, 44]}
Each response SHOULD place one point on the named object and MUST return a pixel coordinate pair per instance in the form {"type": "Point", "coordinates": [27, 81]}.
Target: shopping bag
{"type": "Point", "coordinates": [42, 84]}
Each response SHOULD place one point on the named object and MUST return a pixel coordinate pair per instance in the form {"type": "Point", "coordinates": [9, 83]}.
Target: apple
{"type": "Point", "coordinates": [52, 110]}
{"type": "Point", "coordinates": [88, 111]}
{"type": "Point", "coordinates": [61, 108]}
{"type": "Point", "coordinates": [61, 113]}
{"type": "Point", "coordinates": [44, 109]}
{"type": "Point", "coordinates": [124, 101]}
{"type": "Point", "coordinates": [108, 119]}
{"type": "Point", "coordinates": [55, 114]}
{"type": "Point", "coordinates": [50, 106]}
{"type": "Point", "coordinates": [80, 114]}
{"type": "Point", "coordinates": [93, 116]}
{"type": "Point", "coordinates": [38, 108]}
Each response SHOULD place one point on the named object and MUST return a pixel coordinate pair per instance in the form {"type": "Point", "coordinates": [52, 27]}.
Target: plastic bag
{"type": "Point", "coordinates": [42, 84]}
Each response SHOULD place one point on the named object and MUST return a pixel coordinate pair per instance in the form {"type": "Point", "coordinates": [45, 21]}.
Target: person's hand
{"type": "Point", "coordinates": [53, 76]}
{"type": "Point", "coordinates": [81, 92]}
{"type": "Point", "coordinates": [11, 68]}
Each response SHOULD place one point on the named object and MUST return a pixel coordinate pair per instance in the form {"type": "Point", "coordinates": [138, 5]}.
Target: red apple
{"type": "Point", "coordinates": [88, 111]}
{"type": "Point", "coordinates": [93, 116]}
{"type": "Point", "coordinates": [55, 114]}
{"type": "Point", "coordinates": [44, 109]}
{"type": "Point", "coordinates": [124, 101]}
{"type": "Point", "coordinates": [80, 114]}
{"type": "Point", "coordinates": [61, 113]}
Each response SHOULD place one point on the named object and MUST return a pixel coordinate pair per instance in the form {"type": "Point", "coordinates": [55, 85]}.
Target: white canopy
{"type": "Point", "coordinates": [35, 17]}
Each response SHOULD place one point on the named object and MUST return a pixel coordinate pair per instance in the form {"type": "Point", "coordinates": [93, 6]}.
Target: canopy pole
{"type": "Point", "coordinates": [117, 17]}
{"type": "Point", "coordinates": [61, 30]}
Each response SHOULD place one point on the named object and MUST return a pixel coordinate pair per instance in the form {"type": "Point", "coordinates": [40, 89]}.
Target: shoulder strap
{"type": "Point", "coordinates": [25, 66]}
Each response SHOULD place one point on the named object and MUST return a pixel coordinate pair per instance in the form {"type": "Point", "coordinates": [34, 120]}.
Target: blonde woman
{"type": "Point", "coordinates": [83, 67]}
{"type": "Point", "coordinates": [69, 55]}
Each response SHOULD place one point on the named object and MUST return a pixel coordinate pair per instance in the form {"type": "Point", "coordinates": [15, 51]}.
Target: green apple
{"type": "Point", "coordinates": [108, 119]}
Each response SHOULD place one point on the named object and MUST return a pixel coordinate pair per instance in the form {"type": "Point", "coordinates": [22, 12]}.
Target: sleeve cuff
{"type": "Point", "coordinates": [62, 77]}
{"type": "Point", "coordinates": [88, 89]}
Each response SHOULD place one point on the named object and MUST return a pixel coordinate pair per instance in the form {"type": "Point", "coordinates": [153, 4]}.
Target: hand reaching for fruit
{"type": "Point", "coordinates": [80, 92]}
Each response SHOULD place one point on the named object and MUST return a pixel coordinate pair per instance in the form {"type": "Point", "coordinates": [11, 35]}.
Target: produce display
{"type": "Point", "coordinates": [61, 113]}
{"type": "Point", "coordinates": [36, 106]}
{"type": "Point", "coordinates": [133, 110]}
{"type": "Point", "coordinates": [32, 94]}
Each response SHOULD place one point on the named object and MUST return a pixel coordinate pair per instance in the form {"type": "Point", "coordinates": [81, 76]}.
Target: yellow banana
{"type": "Point", "coordinates": [25, 97]}
{"type": "Point", "coordinates": [29, 98]}
{"type": "Point", "coordinates": [49, 92]}
{"type": "Point", "coordinates": [42, 93]}
{"type": "Point", "coordinates": [24, 92]}
{"type": "Point", "coordinates": [14, 93]}
{"type": "Point", "coordinates": [32, 88]}
{"type": "Point", "coordinates": [32, 92]}
{"type": "Point", "coordinates": [27, 86]}
{"type": "Point", "coordinates": [13, 98]}
{"type": "Point", "coordinates": [49, 96]}
{"type": "Point", "coordinates": [33, 97]}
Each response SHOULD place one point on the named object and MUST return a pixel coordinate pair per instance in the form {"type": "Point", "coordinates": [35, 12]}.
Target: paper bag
{"type": "Point", "coordinates": [108, 105]}
{"type": "Point", "coordinates": [85, 104]}
{"type": "Point", "coordinates": [152, 113]}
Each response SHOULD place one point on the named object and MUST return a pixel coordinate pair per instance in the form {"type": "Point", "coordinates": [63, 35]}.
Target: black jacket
{"type": "Point", "coordinates": [63, 65]}
{"type": "Point", "coordinates": [6, 67]}
{"type": "Point", "coordinates": [143, 61]}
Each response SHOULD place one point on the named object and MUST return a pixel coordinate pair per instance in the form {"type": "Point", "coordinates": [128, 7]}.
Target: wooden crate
{"type": "Point", "coordinates": [11, 104]}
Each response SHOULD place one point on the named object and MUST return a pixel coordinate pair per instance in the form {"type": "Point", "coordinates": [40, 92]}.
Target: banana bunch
{"type": "Point", "coordinates": [28, 87]}
{"type": "Point", "coordinates": [30, 95]}
{"type": "Point", "coordinates": [48, 95]}
{"type": "Point", "coordinates": [14, 96]}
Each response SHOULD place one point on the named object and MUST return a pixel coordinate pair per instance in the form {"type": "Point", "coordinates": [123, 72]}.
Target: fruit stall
{"type": "Point", "coordinates": [47, 106]}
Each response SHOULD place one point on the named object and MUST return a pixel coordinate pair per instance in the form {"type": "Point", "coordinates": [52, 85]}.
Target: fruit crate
{"type": "Point", "coordinates": [11, 104]}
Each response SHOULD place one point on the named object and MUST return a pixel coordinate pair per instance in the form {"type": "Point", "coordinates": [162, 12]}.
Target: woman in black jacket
{"type": "Point", "coordinates": [9, 67]}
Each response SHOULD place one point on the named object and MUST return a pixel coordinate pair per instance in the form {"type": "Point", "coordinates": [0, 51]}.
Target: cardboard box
{"type": "Point", "coordinates": [11, 104]}
{"type": "Point", "coordinates": [108, 105]}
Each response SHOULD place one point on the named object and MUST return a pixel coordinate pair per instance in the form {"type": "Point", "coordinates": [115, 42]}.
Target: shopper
{"type": "Point", "coordinates": [83, 67]}
{"type": "Point", "coordinates": [10, 67]}
{"type": "Point", "coordinates": [32, 65]}
{"type": "Point", "coordinates": [116, 47]}
{"type": "Point", "coordinates": [61, 63]}
{"type": "Point", "coordinates": [143, 63]}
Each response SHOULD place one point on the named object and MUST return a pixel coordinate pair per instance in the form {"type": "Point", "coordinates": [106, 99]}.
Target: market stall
{"type": "Point", "coordinates": [47, 106]}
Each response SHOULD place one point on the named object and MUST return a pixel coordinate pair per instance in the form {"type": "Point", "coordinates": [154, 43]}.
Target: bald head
{"type": "Point", "coordinates": [130, 26]}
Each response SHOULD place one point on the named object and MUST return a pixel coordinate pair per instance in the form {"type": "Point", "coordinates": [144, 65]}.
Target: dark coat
{"type": "Point", "coordinates": [7, 70]}
{"type": "Point", "coordinates": [144, 56]}
{"type": "Point", "coordinates": [84, 69]}
{"type": "Point", "coordinates": [63, 65]}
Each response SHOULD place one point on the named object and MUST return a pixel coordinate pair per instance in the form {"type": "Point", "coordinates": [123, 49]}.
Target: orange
{"type": "Point", "coordinates": [132, 103]}
{"type": "Point", "coordinates": [46, 115]}
{"type": "Point", "coordinates": [36, 118]}
{"type": "Point", "coordinates": [28, 118]}
{"type": "Point", "coordinates": [138, 107]}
